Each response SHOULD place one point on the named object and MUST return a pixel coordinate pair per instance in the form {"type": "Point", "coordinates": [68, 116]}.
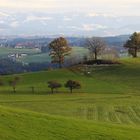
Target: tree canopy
{"type": "Point", "coordinates": [133, 44]}
{"type": "Point", "coordinates": [54, 85]}
{"type": "Point", "coordinates": [72, 85]}
{"type": "Point", "coordinates": [59, 49]}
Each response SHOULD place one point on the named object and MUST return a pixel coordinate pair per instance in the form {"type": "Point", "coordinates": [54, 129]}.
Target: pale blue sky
{"type": "Point", "coordinates": [69, 17]}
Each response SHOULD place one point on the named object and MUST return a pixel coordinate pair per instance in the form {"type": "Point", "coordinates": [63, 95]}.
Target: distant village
{"type": "Point", "coordinates": [40, 45]}
{"type": "Point", "coordinates": [34, 45]}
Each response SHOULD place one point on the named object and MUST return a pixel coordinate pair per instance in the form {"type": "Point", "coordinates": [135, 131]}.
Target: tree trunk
{"type": "Point", "coordinates": [52, 90]}
{"type": "Point", "coordinates": [60, 65]}
{"type": "Point", "coordinates": [14, 89]}
{"type": "Point", "coordinates": [135, 52]}
{"type": "Point", "coordinates": [95, 55]}
{"type": "Point", "coordinates": [71, 90]}
{"type": "Point", "coordinates": [33, 90]}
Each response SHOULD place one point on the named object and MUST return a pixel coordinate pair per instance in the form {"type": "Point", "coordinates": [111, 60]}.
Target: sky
{"type": "Point", "coordinates": [69, 17]}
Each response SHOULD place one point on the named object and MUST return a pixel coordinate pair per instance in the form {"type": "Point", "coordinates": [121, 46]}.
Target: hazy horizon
{"type": "Point", "coordinates": [69, 17]}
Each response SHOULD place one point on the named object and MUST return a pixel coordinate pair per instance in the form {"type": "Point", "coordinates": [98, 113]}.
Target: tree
{"type": "Point", "coordinates": [59, 49]}
{"type": "Point", "coordinates": [95, 46]}
{"type": "Point", "coordinates": [1, 82]}
{"type": "Point", "coordinates": [32, 89]}
{"type": "Point", "coordinates": [13, 83]}
{"type": "Point", "coordinates": [54, 85]}
{"type": "Point", "coordinates": [72, 85]}
{"type": "Point", "coordinates": [133, 44]}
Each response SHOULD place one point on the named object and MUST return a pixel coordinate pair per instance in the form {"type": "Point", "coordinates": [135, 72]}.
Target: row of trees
{"type": "Point", "coordinates": [59, 47]}
{"type": "Point", "coordinates": [70, 84]}
{"type": "Point", "coordinates": [53, 85]}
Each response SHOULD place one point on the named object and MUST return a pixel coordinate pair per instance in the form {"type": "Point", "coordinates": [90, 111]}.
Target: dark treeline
{"type": "Point", "coordinates": [8, 66]}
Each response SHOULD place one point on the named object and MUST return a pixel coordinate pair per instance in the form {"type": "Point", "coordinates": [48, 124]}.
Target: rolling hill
{"type": "Point", "coordinates": [106, 108]}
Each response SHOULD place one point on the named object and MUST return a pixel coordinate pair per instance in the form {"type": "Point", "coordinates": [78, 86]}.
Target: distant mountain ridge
{"type": "Point", "coordinates": [111, 41]}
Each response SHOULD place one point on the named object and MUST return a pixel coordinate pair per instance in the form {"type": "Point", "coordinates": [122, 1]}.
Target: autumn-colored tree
{"type": "Point", "coordinates": [72, 85]}
{"type": "Point", "coordinates": [95, 46]}
{"type": "Point", "coordinates": [133, 44]}
{"type": "Point", "coordinates": [58, 50]}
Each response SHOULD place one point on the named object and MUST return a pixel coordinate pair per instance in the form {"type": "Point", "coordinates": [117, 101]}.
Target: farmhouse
{"type": "Point", "coordinates": [17, 55]}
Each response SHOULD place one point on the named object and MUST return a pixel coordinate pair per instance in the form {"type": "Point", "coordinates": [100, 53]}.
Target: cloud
{"type": "Point", "coordinates": [2, 21]}
{"type": "Point", "coordinates": [91, 27]}
{"type": "Point", "coordinates": [104, 6]}
{"type": "Point", "coordinates": [67, 19]}
{"type": "Point", "coordinates": [2, 14]}
{"type": "Point", "coordinates": [93, 14]}
{"type": "Point", "coordinates": [88, 22]}
{"type": "Point", "coordinates": [37, 18]}
{"type": "Point", "coordinates": [74, 27]}
{"type": "Point", "coordinates": [88, 27]}
{"type": "Point", "coordinates": [14, 24]}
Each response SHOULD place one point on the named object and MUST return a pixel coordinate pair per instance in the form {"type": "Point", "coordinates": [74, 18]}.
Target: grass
{"type": "Point", "coordinates": [44, 57]}
{"type": "Point", "coordinates": [101, 108]}
{"type": "Point", "coordinates": [5, 51]}
{"type": "Point", "coordinates": [36, 55]}
{"type": "Point", "coordinates": [102, 79]}
{"type": "Point", "coordinates": [21, 124]}
{"type": "Point", "coordinates": [106, 108]}
{"type": "Point", "coordinates": [36, 58]}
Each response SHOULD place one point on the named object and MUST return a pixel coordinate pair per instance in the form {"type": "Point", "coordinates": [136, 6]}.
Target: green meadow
{"type": "Point", "coordinates": [44, 57]}
{"type": "Point", "coordinates": [107, 107]}
{"type": "Point", "coordinates": [4, 52]}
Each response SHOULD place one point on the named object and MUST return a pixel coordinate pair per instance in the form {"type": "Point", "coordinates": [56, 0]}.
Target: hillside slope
{"type": "Point", "coordinates": [23, 125]}
{"type": "Point", "coordinates": [100, 80]}
{"type": "Point", "coordinates": [106, 108]}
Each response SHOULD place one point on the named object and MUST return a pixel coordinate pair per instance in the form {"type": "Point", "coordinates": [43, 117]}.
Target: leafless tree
{"type": "Point", "coordinates": [95, 46]}
{"type": "Point", "coordinates": [13, 83]}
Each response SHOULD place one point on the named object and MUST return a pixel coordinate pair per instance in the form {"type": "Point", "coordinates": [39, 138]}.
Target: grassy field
{"type": "Point", "coordinates": [5, 51]}
{"type": "Point", "coordinates": [36, 55]}
{"type": "Point", "coordinates": [106, 108]}
{"type": "Point", "coordinates": [44, 57]}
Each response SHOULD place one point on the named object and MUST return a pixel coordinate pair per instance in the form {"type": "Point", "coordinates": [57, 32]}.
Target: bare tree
{"type": "Point", "coordinates": [95, 46]}
{"type": "Point", "coordinates": [13, 83]}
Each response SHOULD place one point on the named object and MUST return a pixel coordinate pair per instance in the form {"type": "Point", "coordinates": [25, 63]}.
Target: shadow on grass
{"type": "Point", "coordinates": [41, 92]}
